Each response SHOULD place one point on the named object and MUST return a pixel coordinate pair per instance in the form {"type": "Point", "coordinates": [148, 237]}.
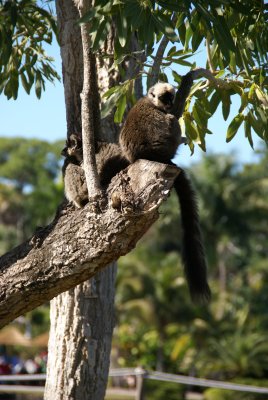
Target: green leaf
{"type": "Point", "coordinates": [257, 125]}
{"type": "Point", "coordinates": [101, 3]}
{"type": "Point", "coordinates": [196, 40]}
{"type": "Point", "coordinates": [172, 51]}
{"type": "Point", "coordinates": [14, 83]}
{"type": "Point", "coordinates": [171, 5]}
{"type": "Point", "coordinates": [247, 129]}
{"type": "Point", "coordinates": [223, 47]}
{"type": "Point", "coordinates": [182, 61]}
{"type": "Point", "coordinates": [88, 16]}
{"type": "Point", "coordinates": [101, 35]}
{"type": "Point", "coordinates": [122, 28]}
{"type": "Point", "coordinates": [26, 85]}
{"type": "Point", "coordinates": [7, 50]}
{"type": "Point", "coordinates": [188, 35]}
{"type": "Point", "coordinates": [8, 90]}
{"type": "Point", "coordinates": [232, 63]}
{"type": "Point", "coordinates": [190, 128]}
{"type": "Point", "coordinates": [214, 102]}
{"type": "Point", "coordinates": [176, 76]}
{"type": "Point", "coordinates": [13, 14]}
{"type": "Point", "coordinates": [146, 30]}
{"type": "Point", "coordinates": [30, 73]}
{"type": "Point", "coordinates": [38, 84]}
{"type": "Point", "coordinates": [94, 26]}
{"type": "Point", "coordinates": [262, 116]}
{"type": "Point", "coordinates": [196, 117]}
{"type": "Point", "coordinates": [121, 107]}
{"type": "Point", "coordinates": [234, 126]}
{"type": "Point", "coordinates": [262, 97]}
{"type": "Point", "coordinates": [251, 91]}
{"type": "Point", "coordinates": [200, 113]}
{"type": "Point", "coordinates": [135, 13]}
{"type": "Point", "coordinates": [165, 26]}
{"type": "Point", "coordinates": [182, 33]}
{"type": "Point", "coordinates": [244, 101]}
{"type": "Point", "coordinates": [163, 77]}
{"type": "Point", "coordinates": [224, 31]}
{"type": "Point", "coordinates": [110, 91]}
{"type": "Point", "coordinates": [226, 103]}
{"type": "Point", "coordinates": [204, 12]}
{"type": "Point", "coordinates": [262, 75]}
{"type": "Point", "coordinates": [108, 106]}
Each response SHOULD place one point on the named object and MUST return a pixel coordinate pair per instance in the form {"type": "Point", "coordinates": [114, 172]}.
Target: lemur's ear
{"type": "Point", "coordinates": [75, 141]}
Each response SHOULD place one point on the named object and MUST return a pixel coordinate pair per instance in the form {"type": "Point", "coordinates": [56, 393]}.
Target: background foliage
{"type": "Point", "coordinates": [157, 325]}
{"type": "Point", "coordinates": [234, 36]}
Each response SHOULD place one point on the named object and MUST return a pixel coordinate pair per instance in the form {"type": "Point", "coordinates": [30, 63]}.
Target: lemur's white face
{"type": "Point", "coordinates": [162, 96]}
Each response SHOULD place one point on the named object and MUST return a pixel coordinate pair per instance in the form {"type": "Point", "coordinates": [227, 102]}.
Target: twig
{"type": "Point", "coordinates": [89, 107]}
{"type": "Point", "coordinates": [205, 73]}
{"type": "Point", "coordinates": [153, 77]}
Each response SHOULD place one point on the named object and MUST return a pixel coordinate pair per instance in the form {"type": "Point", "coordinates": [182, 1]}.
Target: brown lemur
{"type": "Point", "coordinates": [151, 131]}
{"type": "Point", "coordinates": [109, 161]}
{"type": "Point", "coordinates": [75, 187]}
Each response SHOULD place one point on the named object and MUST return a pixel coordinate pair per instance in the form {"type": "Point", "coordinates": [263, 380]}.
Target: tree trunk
{"type": "Point", "coordinates": [80, 340]}
{"type": "Point", "coordinates": [82, 319]}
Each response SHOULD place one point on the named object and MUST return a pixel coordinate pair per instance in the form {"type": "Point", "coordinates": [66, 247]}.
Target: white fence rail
{"type": "Point", "coordinates": [140, 373]}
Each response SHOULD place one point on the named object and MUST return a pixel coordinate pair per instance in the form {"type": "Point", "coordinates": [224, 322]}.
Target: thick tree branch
{"type": "Point", "coordinates": [79, 243]}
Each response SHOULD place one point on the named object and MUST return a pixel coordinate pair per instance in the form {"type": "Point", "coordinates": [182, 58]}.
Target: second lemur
{"type": "Point", "coordinates": [153, 133]}
{"type": "Point", "coordinates": [109, 162]}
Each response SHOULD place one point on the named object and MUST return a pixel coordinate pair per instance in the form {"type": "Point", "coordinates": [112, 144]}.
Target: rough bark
{"type": "Point", "coordinates": [72, 62]}
{"type": "Point", "coordinates": [79, 243]}
{"type": "Point", "coordinates": [82, 352]}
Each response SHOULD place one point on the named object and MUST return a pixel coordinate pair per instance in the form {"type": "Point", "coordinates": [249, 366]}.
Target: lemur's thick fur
{"type": "Point", "coordinates": [151, 131]}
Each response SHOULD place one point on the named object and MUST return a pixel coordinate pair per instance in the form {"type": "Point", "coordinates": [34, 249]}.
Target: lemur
{"type": "Point", "coordinates": [151, 131]}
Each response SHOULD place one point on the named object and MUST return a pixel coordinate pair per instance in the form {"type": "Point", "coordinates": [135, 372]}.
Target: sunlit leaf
{"type": "Point", "coordinates": [165, 26]}
{"type": "Point", "coordinates": [190, 128]}
{"type": "Point", "coordinates": [101, 34]}
{"type": "Point", "coordinates": [226, 104]}
{"type": "Point", "coordinates": [122, 28]}
{"type": "Point", "coordinates": [234, 126]}
{"type": "Point", "coordinates": [214, 102]}
{"type": "Point", "coordinates": [247, 129]}
{"type": "Point", "coordinates": [38, 85]}
{"type": "Point", "coordinates": [121, 108]}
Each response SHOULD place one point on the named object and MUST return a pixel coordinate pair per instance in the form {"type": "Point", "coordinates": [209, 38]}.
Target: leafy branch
{"type": "Point", "coordinates": [22, 55]}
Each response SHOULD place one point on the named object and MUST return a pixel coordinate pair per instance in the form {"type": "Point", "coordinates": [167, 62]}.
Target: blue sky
{"type": "Point", "coordinates": [45, 119]}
